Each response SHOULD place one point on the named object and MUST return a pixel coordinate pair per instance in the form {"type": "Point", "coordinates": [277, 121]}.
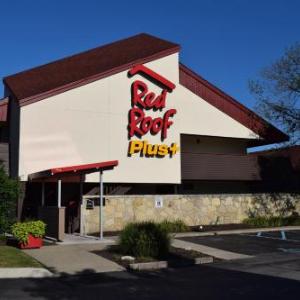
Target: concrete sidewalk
{"type": "Point", "coordinates": [218, 253]}
{"type": "Point", "coordinates": [72, 239]}
{"type": "Point", "coordinates": [74, 259]}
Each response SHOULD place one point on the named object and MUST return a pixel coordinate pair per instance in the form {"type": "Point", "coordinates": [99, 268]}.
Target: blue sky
{"type": "Point", "coordinates": [227, 42]}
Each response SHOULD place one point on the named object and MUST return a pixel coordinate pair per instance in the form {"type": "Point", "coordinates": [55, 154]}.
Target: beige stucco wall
{"type": "Point", "coordinates": [89, 124]}
{"type": "Point", "coordinates": [192, 209]}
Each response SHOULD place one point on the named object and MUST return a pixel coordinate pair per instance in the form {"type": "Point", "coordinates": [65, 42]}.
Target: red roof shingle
{"type": "Point", "coordinates": [90, 65]}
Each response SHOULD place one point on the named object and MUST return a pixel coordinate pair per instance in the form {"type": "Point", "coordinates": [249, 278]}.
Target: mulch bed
{"type": "Point", "coordinates": [177, 256]}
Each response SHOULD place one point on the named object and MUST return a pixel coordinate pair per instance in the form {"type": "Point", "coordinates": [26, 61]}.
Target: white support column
{"type": "Point", "coordinates": [81, 188]}
{"type": "Point", "coordinates": [59, 193]}
{"type": "Point", "coordinates": [101, 203]}
{"type": "Point", "coordinates": [82, 229]}
{"type": "Point", "coordinates": [43, 193]}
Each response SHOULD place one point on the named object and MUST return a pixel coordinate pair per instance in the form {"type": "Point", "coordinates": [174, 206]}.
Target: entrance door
{"type": "Point", "coordinates": [73, 216]}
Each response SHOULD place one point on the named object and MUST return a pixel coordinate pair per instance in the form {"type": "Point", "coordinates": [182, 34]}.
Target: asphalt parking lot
{"type": "Point", "coordinates": [270, 273]}
{"type": "Point", "coordinates": [251, 244]}
{"type": "Point", "coordinates": [270, 255]}
{"type": "Point", "coordinates": [197, 282]}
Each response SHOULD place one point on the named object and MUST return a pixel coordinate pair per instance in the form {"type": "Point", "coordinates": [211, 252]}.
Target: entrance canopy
{"type": "Point", "coordinates": [73, 170]}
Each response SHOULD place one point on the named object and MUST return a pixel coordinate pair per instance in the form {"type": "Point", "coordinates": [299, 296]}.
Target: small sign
{"type": "Point", "coordinates": [89, 204]}
{"type": "Point", "coordinates": [159, 202]}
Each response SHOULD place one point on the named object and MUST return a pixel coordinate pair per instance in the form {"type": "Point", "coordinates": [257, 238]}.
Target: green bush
{"type": "Point", "coordinates": [21, 230]}
{"type": "Point", "coordinates": [144, 239]}
{"type": "Point", "coordinates": [273, 221]}
{"type": "Point", "coordinates": [9, 192]}
{"type": "Point", "coordinates": [174, 226]}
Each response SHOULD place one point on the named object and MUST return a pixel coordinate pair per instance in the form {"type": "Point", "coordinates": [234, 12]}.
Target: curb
{"type": "Point", "coordinates": [235, 231]}
{"type": "Point", "coordinates": [153, 265]}
{"type": "Point", "coordinates": [24, 273]}
{"type": "Point", "coordinates": [204, 260]}
{"type": "Point", "coordinates": [157, 265]}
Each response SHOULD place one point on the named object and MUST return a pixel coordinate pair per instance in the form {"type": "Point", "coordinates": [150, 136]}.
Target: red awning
{"type": "Point", "coordinates": [73, 170]}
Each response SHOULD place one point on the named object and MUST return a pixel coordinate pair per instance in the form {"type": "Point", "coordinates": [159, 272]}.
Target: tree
{"type": "Point", "coordinates": [278, 92]}
{"type": "Point", "coordinates": [9, 192]}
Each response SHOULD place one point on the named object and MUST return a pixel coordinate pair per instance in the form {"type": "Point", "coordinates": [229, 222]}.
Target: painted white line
{"type": "Point", "coordinates": [270, 237]}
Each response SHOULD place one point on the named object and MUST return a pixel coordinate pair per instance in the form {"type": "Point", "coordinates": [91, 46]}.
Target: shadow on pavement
{"type": "Point", "coordinates": [199, 282]}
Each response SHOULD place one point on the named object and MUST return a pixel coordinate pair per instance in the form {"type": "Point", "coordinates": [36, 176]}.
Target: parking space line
{"type": "Point", "coordinates": [272, 238]}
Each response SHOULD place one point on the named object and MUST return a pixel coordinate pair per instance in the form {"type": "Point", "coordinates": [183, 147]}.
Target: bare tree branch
{"type": "Point", "coordinates": [278, 92]}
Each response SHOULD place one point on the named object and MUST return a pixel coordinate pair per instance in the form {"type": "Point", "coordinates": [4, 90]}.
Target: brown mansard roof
{"type": "Point", "coordinates": [86, 67]}
{"type": "Point", "coordinates": [61, 75]}
{"type": "Point", "coordinates": [3, 110]}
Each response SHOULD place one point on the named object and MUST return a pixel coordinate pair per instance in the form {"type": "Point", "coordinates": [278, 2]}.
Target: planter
{"type": "Point", "coordinates": [29, 234]}
{"type": "Point", "coordinates": [33, 243]}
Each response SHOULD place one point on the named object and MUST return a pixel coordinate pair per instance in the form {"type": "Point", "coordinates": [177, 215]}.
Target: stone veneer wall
{"type": "Point", "coordinates": [192, 209]}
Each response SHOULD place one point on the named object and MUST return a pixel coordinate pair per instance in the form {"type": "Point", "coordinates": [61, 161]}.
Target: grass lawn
{"type": "Point", "coordinates": [11, 257]}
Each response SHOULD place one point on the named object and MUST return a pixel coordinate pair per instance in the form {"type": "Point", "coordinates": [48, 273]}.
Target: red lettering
{"type": "Point", "coordinates": [139, 90]}
{"type": "Point", "coordinates": [157, 125]}
{"type": "Point", "coordinates": [139, 124]}
{"type": "Point", "coordinates": [149, 100]}
{"type": "Point", "coordinates": [160, 101]}
{"type": "Point", "coordinates": [146, 124]}
{"type": "Point", "coordinates": [167, 123]}
{"type": "Point", "coordinates": [136, 115]}
{"type": "Point", "coordinates": [144, 100]}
